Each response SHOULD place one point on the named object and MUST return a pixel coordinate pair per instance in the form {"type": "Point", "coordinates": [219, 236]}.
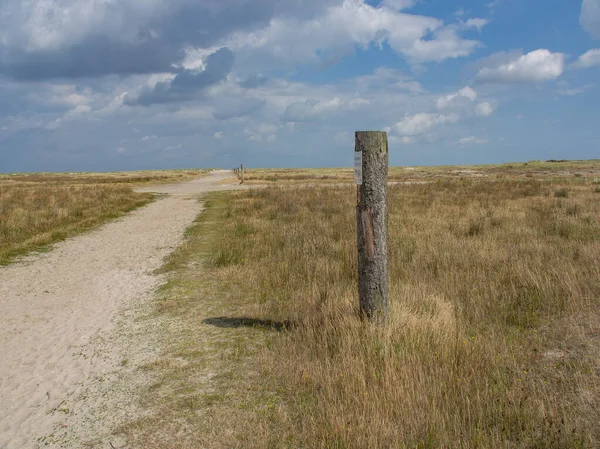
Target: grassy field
{"type": "Point", "coordinates": [493, 341]}
{"type": "Point", "coordinates": [37, 209]}
{"type": "Point", "coordinates": [127, 178]}
{"type": "Point", "coordinates": [537, 169]}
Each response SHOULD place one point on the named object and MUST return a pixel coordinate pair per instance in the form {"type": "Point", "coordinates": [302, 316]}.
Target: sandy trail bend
{"type": "Point", "coordinates": [53, 305]}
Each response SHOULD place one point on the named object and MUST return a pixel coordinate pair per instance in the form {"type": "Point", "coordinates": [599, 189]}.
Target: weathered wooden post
{"type": "Point", "coordinates": [242, 171]}
{"type": "Point", "coordinates": [370, 173]}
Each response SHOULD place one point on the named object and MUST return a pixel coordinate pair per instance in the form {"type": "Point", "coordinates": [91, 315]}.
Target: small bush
{"type": "Point", "coordinates": [227, 256]}
{"type": "Point", "coordinates": [561, 193]}
{"type": "Point", "coordinates": [475, 228]}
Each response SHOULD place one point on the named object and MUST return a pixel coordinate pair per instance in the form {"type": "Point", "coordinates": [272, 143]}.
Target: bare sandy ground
{"type": "Point", "coordinates": [59, 313]}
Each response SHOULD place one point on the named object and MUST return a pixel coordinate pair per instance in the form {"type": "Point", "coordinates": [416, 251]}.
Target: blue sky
{"type": "Point", "coordinates": [98, 85]}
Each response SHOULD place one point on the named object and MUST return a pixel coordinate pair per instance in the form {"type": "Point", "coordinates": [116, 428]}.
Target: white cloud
{"type": "Point", "coordinates": [576, 90]}
{"type": "Point", "coordinates": [539, 65]}
{"type": "Point", "coordinates": [77, 112]}
{"type": "Point", "coordinates": [463, 102]}
{"type": "Point", "coordinates": [261, 131]}
{"type": "Point", "coordinates": [472, 140]}
{"type": "Point", "coordinates": [46, 24]}
{"type": "Point", "coordinates": [235, 105]}
{"type": "Point", "coordinates": [418, 124]}
{"type": "Point", "coordinates": [590, 17]}
{"type": "Point", "coordinates": [53, 124]}
{"type": "Point", "coordinates": [388, 80]}
{"type": "Point", "coordinates": [484, 109]}
{"type": "Point", "coordinates": [590, 58]}
{"type": "Point", "coordinates": [457, 106]}
{"type": "Point", "coordinates": [476, 22]}
{"type": "Point", "coordinates": [195, 58]}
{"type": "Point", "coordinates": [399, 5]}
{"type": "Point", "coordinates": [311, 109]}
{"type": "Point", "coordinates": [66, 95]}
{"type": "Point", "coordinates": [341, 28]}
{"type": "Point", "coordinates": [405, 140]}
{"type": "Point", "coordinates": [455, 98]}
{"type": "Point", "coordinates": [445, 45]}
{"type": "Point", "coordinates": [73, 99]}
{"type": "Point", "coordinates": [266, 128]}
{"type": "Point", "coordinates": [494, 60]}
{"type": "Point", "coordinates": [218, 135]}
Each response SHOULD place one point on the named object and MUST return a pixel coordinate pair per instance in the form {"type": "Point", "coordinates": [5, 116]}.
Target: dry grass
{"type": "Point", "coordinates": [297, 175]}
{"type": "Point", "coordinates": [39, 209]}
{"type": "Point", "coordinates": [132, 177]}
{"type": "Point", "coordinates": [200, 379]}
{"type": "Point", "coordinates": [589, 170]}
{"type": "Point", "coordinates": [493, 342]}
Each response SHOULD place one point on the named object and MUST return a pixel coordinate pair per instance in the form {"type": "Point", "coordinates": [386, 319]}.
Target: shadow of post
{"type": "Point", "coordinates": [231, 322]}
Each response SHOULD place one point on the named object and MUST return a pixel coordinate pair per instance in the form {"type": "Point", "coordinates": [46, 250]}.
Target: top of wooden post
{"type": "Point", "coordinates": [371, 141]}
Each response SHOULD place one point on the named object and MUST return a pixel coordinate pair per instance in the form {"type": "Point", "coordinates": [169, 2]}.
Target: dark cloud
{"type": "Point", "coordinates": [187, 83]}
{"type": "Point", "coordinates": [159, 40]}
{"type": "Point", "coordinates": [160, 43]}
{"type": "Point", "coordinates": [194, 24]}
{"type": "Point", "coordinates": [96, 56]}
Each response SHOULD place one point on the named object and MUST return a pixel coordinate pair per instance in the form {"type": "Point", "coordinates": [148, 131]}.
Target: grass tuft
{"type": "Point", "coordinates": [561, 193]}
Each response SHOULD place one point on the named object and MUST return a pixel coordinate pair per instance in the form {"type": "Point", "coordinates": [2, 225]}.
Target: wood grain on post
{"type": "Point", "coordinates": [372, 225]}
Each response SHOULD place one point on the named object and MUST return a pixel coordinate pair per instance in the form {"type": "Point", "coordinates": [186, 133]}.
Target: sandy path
{"type": "Point", "coordinates": [54, 306]}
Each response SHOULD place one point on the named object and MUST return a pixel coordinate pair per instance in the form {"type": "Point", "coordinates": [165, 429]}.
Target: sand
{"type": "Point", "coordinates": [69, 321]}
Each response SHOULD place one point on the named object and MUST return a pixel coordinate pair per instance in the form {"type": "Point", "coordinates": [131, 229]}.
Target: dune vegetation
{"type": "Point", "coordinates": [493, 340]}
{"type": "Point", "coordinates": [37, 209]}
{"type": "Point", "coordinates": [517, 170]}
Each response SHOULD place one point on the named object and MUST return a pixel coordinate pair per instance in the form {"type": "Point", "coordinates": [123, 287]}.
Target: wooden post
{"type": "Point", "coordinates": [242, 171]}
{"type": "Point", "coordinates": [371, 154]}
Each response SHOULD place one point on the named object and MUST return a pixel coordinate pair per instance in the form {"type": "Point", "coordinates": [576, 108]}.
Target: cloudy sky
{"type": "Point", "coordinates": [135, 84]}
